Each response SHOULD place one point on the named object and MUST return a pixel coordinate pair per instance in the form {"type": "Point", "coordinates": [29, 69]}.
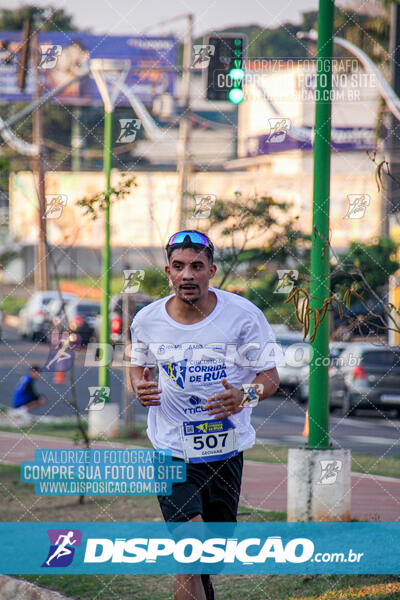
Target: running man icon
{"type": "Point", "coordinates": [60, 358]}
{"type": "Point", "coordinates": [62, 547]}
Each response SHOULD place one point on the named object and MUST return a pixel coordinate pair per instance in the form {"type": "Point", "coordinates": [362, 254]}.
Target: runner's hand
{"type": "Point", "coordinates": [226, 403]}
{"type": "Point", "coordinates": [147, 392]}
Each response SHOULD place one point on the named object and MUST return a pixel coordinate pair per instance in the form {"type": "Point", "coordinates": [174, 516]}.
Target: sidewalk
{"type": "Point", "coordinates": [373, 497]}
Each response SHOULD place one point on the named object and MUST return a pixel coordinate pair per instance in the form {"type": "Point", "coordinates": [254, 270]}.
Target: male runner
{"type": "Point", "coordinates": [196, 408]}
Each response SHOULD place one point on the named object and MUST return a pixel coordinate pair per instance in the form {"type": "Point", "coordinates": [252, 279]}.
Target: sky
{"type": "Point", "coordinates": [132, 17]}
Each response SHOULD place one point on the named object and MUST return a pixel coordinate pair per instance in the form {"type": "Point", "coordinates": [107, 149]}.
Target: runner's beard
{"type": "Point", "coordinates": [187, 300]}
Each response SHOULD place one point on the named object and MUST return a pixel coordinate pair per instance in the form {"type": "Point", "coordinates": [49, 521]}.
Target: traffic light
{"type": "Point", "coordinates": [225, 71]}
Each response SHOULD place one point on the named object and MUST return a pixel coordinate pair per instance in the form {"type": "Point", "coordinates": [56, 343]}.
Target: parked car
{"type": "Point", "coordinates": [55, 313]}
{"type": "Point", "coordinates": [297, 353]}
{"type": "Point", "coordinates": [335, 351]}
{"type": "Point", "coordinates": [136, 302]}
{"type": "Point", "coordinates": [368, 376]}
{"type": "Point", "coordinates": [32, 316]}
{"type": "Point", "coordinates": [79, 318]}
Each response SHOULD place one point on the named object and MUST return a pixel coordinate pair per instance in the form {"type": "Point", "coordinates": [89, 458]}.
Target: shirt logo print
{"type": "Point", "coordinates": [176, 372]}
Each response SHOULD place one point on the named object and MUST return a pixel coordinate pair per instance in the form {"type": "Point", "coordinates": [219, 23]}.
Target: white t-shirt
{"type": "Point", "coordinates": [234, 341]}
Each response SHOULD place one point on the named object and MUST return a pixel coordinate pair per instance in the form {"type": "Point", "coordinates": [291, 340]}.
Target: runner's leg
{"type": "Point", "coordinates": [189, 587]}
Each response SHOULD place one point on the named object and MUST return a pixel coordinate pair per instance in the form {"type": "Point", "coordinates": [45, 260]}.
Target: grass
{"type": "Point", "coordinates": [19, 503]}
{"type": "Point", "coordinates": [11, 305]}
{"type": "Point", "coordinates": [360, 463]}
{"type": "Point", "coordinates": [227, 587]}
{"type": "Point", "coordinates": [67, 429]}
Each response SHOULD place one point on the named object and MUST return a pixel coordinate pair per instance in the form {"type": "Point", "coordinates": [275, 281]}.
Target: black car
{"type": "Point", "coordinates": [80, 319]}
{"type": "Point", "coordinates": [366, 376]}
{"type": "Point", "coordinates": [135, 303]}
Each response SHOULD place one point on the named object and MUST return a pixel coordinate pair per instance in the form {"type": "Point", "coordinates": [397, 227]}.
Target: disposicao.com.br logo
{"type": "Point", "coordinates": [249, 548]}
{"type": "Point", "coordinates": [213, 550]}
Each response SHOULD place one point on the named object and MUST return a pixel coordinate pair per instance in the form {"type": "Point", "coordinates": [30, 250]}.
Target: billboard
{"type": "Point", "coordinates": [149, 214]}
{"type": "Point", "coordinates": [61, 53]}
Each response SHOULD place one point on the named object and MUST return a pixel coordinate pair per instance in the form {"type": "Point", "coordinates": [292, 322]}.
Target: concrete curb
{"type": "Point", "coordinates": [11, 588]}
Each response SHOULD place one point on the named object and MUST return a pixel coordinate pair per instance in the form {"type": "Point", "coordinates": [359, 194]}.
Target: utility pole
{"type": "Point", "coordinates": [41, 271]}
{"type": "Point", "coordinates": [128, 405]}
{"type": "Point", "coordinates": [391, 197]}
{"type": "Point", "coordinates": [184, 125]}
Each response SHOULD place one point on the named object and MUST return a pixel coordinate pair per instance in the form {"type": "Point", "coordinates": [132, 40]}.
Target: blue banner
{"type": "Point", "coordinates": [103, 472]}
{"type": "Point", "coordinates": [285, 137]}
{"type": "Point", "coordinates": [61, 53]}
{"type": "Point", "coordinates": [243, 548]}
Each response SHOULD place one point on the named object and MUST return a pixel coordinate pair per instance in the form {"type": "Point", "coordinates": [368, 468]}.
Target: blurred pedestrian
{"type": "Point", "coordinates": [25, 394]}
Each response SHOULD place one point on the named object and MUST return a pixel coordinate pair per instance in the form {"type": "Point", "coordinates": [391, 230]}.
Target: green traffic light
{"type": "Point", "coordinates": [235, 95]}
{"type": "Point", "coordinates": [236, 74]}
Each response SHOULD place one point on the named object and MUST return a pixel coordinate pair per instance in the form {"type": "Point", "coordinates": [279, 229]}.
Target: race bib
{"type": "Point", "coordinates": [206, 441]}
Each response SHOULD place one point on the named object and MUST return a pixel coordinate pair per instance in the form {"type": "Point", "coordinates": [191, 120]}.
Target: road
{"type": "Point", "coordinates": [278, 421]}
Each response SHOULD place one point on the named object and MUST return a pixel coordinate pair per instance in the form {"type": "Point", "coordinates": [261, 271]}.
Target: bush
{"type": "Point", "coordinates": [12, 305]}
{"type": "Point", "coordinates": [262, 294]}
{"type": "Point", "coordinates": [155, 283]}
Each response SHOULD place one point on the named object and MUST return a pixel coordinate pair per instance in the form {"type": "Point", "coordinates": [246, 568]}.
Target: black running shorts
{"type": "Point", "coordinates": [211, 489]}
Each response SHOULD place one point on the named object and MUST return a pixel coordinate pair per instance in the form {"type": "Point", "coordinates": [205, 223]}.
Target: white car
{"type": "Point", "coordinates": [296, 355]}
{"type": "Point", "coordinates": [335, 350]}
{"type": "Point", "coordinates": [33, 315]}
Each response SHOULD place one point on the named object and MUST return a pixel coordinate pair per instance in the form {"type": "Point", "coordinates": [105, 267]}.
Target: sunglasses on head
{"type": "Point", "coordinates": [194, 236]}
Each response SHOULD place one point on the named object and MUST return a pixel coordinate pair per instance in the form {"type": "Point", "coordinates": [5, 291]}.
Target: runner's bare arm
{"type": "Point", "coordinates": [146, 390]}
{"type": "Point", "coordinates": [229, 402]}
{"type": "Point", "coordinates": [270, 382]}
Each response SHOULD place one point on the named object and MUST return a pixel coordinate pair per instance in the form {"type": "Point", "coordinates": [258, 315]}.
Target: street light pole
{"type": "Point", "coordinates": [41, 271]}
{"type": "Point", "coordinates": [109, 75]}
{"type": "Point", "coordinates": [105, 269]}
{"type": "Point", "coordinates": [184, 126]}
{"type": "Point", "coordinates": [319, 286]}
{"type": "Point", "coordinates": [391, 196]}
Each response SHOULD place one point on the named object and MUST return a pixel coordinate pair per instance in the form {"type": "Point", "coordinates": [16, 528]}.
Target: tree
{"type": "Point", "coordinates": [259, 236]}
{"type": "Point", "coordinates": [155, 282]}
{"type": "Point", "coordinates": [51, 19]}
{"type": "Point", "coordinates": [376, 261]}
{"type": "Point", "coordinates": [369, 30]}
{"type": "Point", "coordinates": [243, 222]}
{"type": "Point", "coordinates": [365, 269]}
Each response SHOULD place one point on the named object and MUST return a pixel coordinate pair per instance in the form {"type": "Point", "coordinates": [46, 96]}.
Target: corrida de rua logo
{"type": "Point", "coordinates": [177, 372]}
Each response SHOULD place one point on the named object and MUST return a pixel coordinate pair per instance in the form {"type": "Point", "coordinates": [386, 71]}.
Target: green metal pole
{"type": "Point", "coordinates": [319, 287]}
{"type": "Point", "coordinates": [105, 282]}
